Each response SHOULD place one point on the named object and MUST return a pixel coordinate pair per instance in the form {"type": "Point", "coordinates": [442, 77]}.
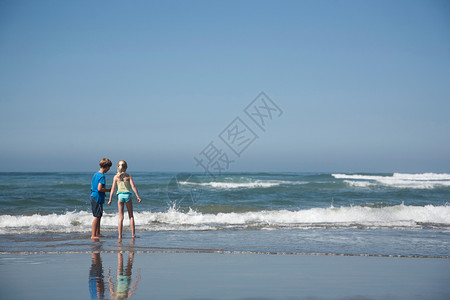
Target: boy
{"type": "Point", "coordinates": [98, 195]}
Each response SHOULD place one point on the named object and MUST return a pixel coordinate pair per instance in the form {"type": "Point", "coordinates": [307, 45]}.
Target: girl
{"type": "Point", "coordinates": [124, 183]}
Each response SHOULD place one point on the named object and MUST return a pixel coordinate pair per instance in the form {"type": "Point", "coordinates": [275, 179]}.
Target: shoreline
{"type": "Point", "coordinates": [159, 250]}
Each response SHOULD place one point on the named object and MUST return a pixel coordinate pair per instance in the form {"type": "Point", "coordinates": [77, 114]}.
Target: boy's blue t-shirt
{"type": "Point", "coordinates": [98, 196]}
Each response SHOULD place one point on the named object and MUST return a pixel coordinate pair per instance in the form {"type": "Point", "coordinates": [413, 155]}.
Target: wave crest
{"type": "Point", "coordinates": [242, 183]}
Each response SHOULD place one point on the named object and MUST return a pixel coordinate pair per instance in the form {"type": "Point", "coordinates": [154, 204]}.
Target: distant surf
{"type": "Point", "coordinates": [399, 180]}
{"type": "Point", "coordinates": [242, 183]}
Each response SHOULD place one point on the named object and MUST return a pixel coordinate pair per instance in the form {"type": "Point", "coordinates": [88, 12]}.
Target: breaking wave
{"type": "Point", "coordinates": [397, 216]}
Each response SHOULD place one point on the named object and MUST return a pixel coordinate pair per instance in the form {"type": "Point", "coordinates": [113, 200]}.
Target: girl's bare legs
{"type": "Point", "coordinates": [121, 206]}
{"type": "Point", "coordinates": [130, 215]}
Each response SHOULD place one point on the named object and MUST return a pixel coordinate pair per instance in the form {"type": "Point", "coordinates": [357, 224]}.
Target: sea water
{"type": "Point", "coordinates": [315, 213]}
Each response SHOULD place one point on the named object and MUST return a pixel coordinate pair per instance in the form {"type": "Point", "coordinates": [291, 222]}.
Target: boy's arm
{"type": "Point", "coordinates": [102, 189]}
{"type": "Point", "coordinates": [134, 189]}
{"type": "Point", "coordinates": [112, 190]}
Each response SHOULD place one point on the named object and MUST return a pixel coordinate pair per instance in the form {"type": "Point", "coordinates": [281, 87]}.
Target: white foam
{"type": "Point", "coordinates": [399, 180]}
{"type": "Point", "coordinates": [391, 217]}
{"type": "Point", "coordinates": [238, 185]}
{"type": "Point", "coordinates": [424, 176]}
{"type": "Point", "coordinates": [359, 183]}
{"type": "Point", "coordinates": [245, 183]}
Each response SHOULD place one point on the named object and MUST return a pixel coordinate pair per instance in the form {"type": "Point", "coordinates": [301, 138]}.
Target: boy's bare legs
{"type": "Point", "coordinates": [98, 228]}
{"type": "Point", "coordinates": [130, 215]}
{"type": "Point", "coordinates": [121, 206]}
{"type": "Point", "coordinates": [95, 228]}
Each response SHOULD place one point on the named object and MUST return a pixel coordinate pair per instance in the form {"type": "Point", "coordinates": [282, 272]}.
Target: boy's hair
{"type": "Point", "coordinates": [105, 163]}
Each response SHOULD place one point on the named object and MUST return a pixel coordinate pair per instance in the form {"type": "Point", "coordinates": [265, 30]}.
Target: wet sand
{"type": "Point", "coordinates": [163, 275]}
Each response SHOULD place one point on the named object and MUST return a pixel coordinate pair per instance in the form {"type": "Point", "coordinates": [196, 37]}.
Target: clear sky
{"type": "Point", "coordinates": [364, 86]}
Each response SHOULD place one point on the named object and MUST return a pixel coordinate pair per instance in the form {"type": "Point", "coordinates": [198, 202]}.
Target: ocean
{"type": "Point", "coordinates": [393, 214]}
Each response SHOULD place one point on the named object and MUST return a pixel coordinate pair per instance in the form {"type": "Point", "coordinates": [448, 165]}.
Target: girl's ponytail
{"type": "Point", "coordinates": [121, 167]}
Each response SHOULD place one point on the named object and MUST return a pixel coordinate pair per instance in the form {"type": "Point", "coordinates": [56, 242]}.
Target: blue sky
{"type": "Point", "coordinates": [364, 86]}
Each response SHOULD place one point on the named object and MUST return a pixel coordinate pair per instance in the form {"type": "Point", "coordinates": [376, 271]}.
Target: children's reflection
{"type": "Point", "coordinates": [121, 287]}
{"type": "Point", "coordinates": [96, 283]}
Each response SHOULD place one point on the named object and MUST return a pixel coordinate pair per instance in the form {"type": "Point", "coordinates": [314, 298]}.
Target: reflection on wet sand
{"type": "Point", "coordinates": [96, 282]}
{"type": "Point", "coordinates": [121, 286]}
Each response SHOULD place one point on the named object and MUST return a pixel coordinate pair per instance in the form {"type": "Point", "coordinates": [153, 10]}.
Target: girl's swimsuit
{"type": "Point", "coordinates": [123, 191]}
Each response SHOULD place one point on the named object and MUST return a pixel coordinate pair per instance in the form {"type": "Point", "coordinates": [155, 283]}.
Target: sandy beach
{"type": "Point", "coordinates": [181, 275]}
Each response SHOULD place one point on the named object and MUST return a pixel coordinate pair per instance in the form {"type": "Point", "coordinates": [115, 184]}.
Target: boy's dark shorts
{"type": "Point", "coordinates": [97, 208]}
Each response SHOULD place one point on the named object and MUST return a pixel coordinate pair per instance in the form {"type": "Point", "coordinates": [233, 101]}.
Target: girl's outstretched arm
{"type": "Point", "coordinates": [112, 190]}
{"type": "Point", "coordinates": [134, 189]}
